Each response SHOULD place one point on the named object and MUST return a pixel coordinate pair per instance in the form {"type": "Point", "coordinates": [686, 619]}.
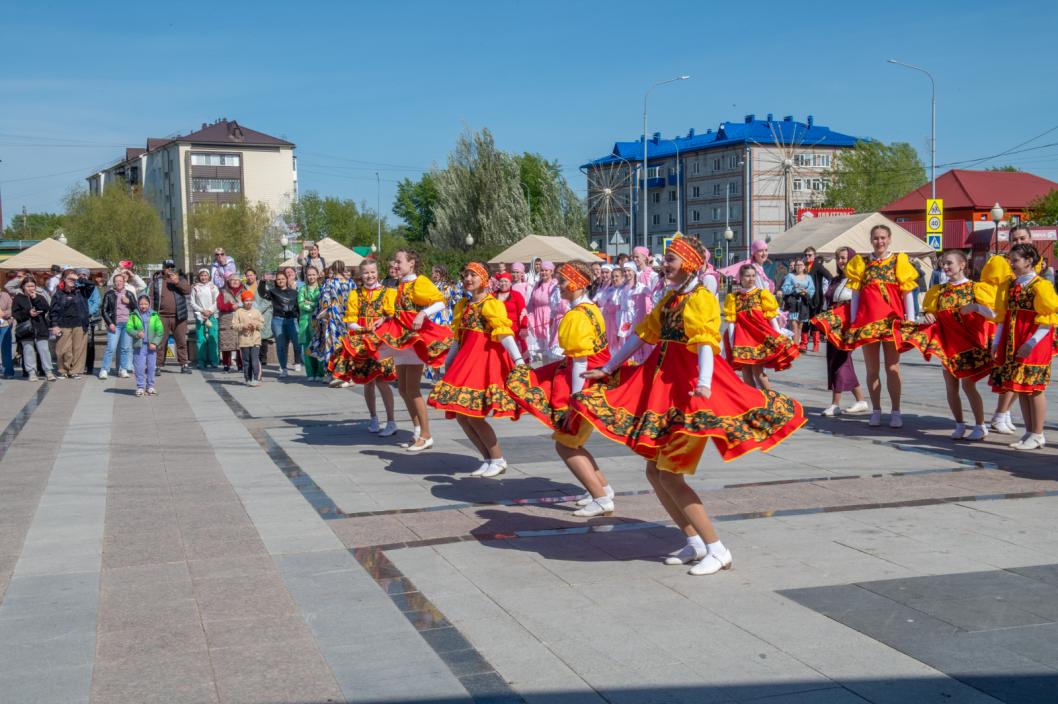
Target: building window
{"type": "Point", "coordinates": [716, 213]}
{"type": "Point", "coordinates": [656, 197]}
{"type": "Point", "coordinates": [214, 159]}
{"type": "Point", "coordinates": [654, 172]}
{"type": "Point", "coordinates": [716, 164]}
{"type": "Point", "coordinates": [627, 220]}
{"type": "Point", "coordinates": [821, 160]}
{"type": "Point", "coordinates": [656, 219]}
{"type": "Point", "coordinates": [802, 159]}
{"type": "Point", "coordinates": [672, 171]}
{"type": "Point", "coordinates": [733, 213]}
{"type": "Point", "coordinates": [672, 219]}
{"type": "Point", "coordinates": [797, 184]}
{"type": "Point", "coordinates": [718, 189]}
{"type": "Point", "coordinates": [694, 167]}
{"type": "Point", "coordinates": [696, 216]}
{"type": "Point", "coordinates": [734, 188]}
{"type": "Point", "coordinates": [696, 192]}
{"type": "Point", "coordinates": [672, 196]}
{"type": "Point", "coordinates": [817, 184]}
{"type": "Point", "coordinates": [732, 161]}
{"type": "Point", "coordinates": [215, 185]}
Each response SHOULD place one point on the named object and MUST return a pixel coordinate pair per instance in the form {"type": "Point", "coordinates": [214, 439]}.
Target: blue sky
{"type": "Point", "coordinates": [388, 86]}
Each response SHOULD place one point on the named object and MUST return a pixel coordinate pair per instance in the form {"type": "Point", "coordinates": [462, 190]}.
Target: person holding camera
{"type": "Point", "coordinates": [69, 318]}
{"type": "Point", "coordinates": [29, 308]}
{"type": "Point", "coordinates": [169, 291]}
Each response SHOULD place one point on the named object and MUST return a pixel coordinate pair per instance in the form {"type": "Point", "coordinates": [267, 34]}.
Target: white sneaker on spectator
{"type": "Point", "coordinates": [140, 392]}
{"type": "Point", "coordinates": [283, 373]}
{"type": "Point", "coordinates": [297, 367]}
{"type": "Point", "coordinates": [103, 374]}
{"type": "Point", "coordinates": [123, 373]}
{"type": "Point", "coordinates": [831, 411]}
{"type": "Point", "coordinates": [857, 408]}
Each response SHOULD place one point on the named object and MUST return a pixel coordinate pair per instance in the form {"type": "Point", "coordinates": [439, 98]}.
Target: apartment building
{"type": "Point", "coordinates": [750, 176]}
{"type": "Point", "coordinates": [222, 162]}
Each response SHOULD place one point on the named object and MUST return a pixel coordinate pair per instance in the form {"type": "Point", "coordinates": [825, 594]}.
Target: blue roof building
{"type": "Point", "coordinates": [750, 177]}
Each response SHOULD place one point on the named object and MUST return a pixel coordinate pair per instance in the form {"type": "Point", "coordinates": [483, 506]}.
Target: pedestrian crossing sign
{"type": "Point", "coordinates": [934, 241]}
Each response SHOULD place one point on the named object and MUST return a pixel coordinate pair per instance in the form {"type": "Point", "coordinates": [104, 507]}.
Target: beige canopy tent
{"type": "Point", "coordinates": [331, 251]}
{"type": "Point", "coordinates": [829, 234]}
{"type": "Point", "coordinates": [42, 255]}
{"type": "Point", "coordinates": [554, 249]}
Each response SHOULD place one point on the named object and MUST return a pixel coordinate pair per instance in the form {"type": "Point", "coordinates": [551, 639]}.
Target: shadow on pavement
{"type": "Point", "coordinates": [500, 489]}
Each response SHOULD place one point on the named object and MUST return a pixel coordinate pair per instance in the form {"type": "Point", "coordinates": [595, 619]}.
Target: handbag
{"type": "Point", "coordinates": [24, 329]}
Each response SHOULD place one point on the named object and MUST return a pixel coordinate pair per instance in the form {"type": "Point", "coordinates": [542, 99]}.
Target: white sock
{"type": "Point", "coordinates": [696, 542]}
{"type": "Point", "coordinates": [716, 548]}
{"type": "Point", "coordinates": [498, 460]}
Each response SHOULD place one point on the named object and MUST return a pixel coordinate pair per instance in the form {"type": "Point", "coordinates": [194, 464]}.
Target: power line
{"type": "Point", "coordinates": [362, 161]}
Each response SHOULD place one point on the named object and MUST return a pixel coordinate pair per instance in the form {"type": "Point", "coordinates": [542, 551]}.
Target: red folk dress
{"type": "Point", "coordinates": [352, 360]}
{"type": "Point", "coordinates": [755, 340]}
{"type": "Point", "coordinates": [882, 284]}
{"type": "Point", "coordinates": [962, 342]}
{"type": "Point", "coordinates": [649, 407]}
{"type": "Point", "coordinates": [1022, 310]}
{"type": "Point", "coordinates": [545, 392]}
{"type": "Point", "coordinates": [428, 345]}
{"type": "Point", "coordinates": [474, 384]}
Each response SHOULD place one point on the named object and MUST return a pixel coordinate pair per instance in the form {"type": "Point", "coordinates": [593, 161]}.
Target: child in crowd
{"type": "Point", "coordinates": [248, 324]}
{"type": "Point", "coordinates": [147, 332]}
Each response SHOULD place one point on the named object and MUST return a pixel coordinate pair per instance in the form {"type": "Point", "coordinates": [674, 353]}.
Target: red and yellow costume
{"type": "Point", "coordinates": [756, 341]}
{"type": "Point", "coordinates": [881, 284]}
{"type": "Point", "coordinates": [429, 344]}
{"type": "Point", "coordinates": [962, 342]}
{"type": "Point", "coordinates": [474, 384]}
{"type": "Point", "coordinates": [353, 361]}
{"type": "Point", "coordinates": [1021, 311]}
{"type": "Point", "coordinates": [651, 409]}
{"type": "Point", "coordinates": [998, 273]}
{"type": "Point", "coordinates": [545, 393]}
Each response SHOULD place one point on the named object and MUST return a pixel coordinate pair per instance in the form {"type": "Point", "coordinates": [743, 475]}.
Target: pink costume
{"type": "Point", "coordinates": [636, 301]}
{"type": "Point", "coordinates": [710, 277]}
{"type": "Point", "coordinates": [559, 307]}
{"type": "Point", "coordinates": [523, 287]}
{"type": "Point", "coordinates": [539, 306]}
{"type": "Point", "coordinates": [763, 282]}
{"type": "Point", "coordinates": [609, 306]}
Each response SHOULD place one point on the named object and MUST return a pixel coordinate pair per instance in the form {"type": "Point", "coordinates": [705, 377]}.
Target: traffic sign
{"type": "Point", "coordinates": [935, 217]}
{"type": "Point", "coordinates": [718, 252]}
{"type": "Point", "coordinates": [934, 241]}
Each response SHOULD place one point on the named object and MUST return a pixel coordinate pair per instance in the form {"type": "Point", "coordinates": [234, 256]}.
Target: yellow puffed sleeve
{"type": "Point", "coordinates": [985, 294]}
{"type": "Point", "coordinates": [906, 275]}
{"type": "Point", "coordinates": [854, 272]}
{"type": "Point", "coordinates": [457, 317]}
{"type": "Point", "coordinates": [352, 307]}
{"type": "Point", "coordinates": [701, 320]}
{"type": "Point", "coordinates": [932, 298]}
{"type": "Point", "coordinates": [424, 292]}
{"type": "Point", "coordinates": [768, 304]}
{"type": "Point", "coordinates": [495, 314]}
{"type": "Point", "coordinates": [996, 271]}
{"type": "Point", "coordinates": [1045, 302]}
{"type": "Point", "coordinates": [649, 328]}
{"type": "Point", "coordinates": [730, 308]}
{"type": "Point", "coordinates": [576, 334]}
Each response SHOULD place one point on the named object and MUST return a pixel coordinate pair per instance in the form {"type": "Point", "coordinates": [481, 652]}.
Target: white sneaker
{"type": "Point", "coordinates": [372, 426]}
{"type": "Point", "coordinates": [979, 432]}
{"type": "Point", "coordinates": [711, 564]}
{"type": "Point", "coordinates": [857, 408]}
{"type": "Point", "coordinates": [283, 374]}
{"type": "Point", "coordinates": [959, 432]}
{"type": "Point", "coordinates": [895, 420]}
{"type": "Point", "coordinates": [334, 383]}
{"type": "Point", "coordinates": [496, 468]}
{"type": "Point", "coordinates": [685, 555]}
{"type": "Point", "coordinates": [831, 411]}
{"type": "Point", "coordinates": [1003, 426]}
{"type": "Point", "coordinates": [875, 420]}
{"type": "Point", "coordinates": [417, 447]}
{"type": "Point", "coordinates": [103, 374]}
{"type": "Point", "coordinates": [1032, 441]}
{"type": "Point", "coordinates": [390, 429]}
{"type": "Point", "coordinates": [601, 506]}
{"type": "Point", "coordinates": [586, 497]}
{"type": "Point", "coordinates": [485, 466]}
{"type": "Point", "coordinates": [123, 373]}
{"type": "Point", "coordinates": [297, 367]}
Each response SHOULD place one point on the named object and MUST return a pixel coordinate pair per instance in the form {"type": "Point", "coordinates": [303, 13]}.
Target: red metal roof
{"type": "Point", "coordinates": [977, 190]}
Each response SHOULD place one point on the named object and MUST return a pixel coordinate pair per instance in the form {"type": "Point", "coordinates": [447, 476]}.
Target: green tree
{"type": "Point", "coordinates": [34, 226]}
{"type": "Point", "coordinates": [414, 203]}
{"type": "Point", "coordinates": [341, 219]}
{"type": "Point", "coordinates": [873, 174]}
{"type": "Point", "coordinates": [115, 225]}
{"type": "Point", "coordinates": [554, 208]}
{"type": "Point", "coordinates": [1008, 167]}
{"type": "Point", "coordinates": [248, 232]}
{"type": "Point", "coordinates": [1044, 210]}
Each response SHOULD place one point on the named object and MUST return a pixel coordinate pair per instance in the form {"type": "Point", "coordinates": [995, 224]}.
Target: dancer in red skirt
{"type": "Point", "coordinates": [882, 287]}
{"type": "Point", "coordinates": [957, 327]}
{"type": "Point", "coordinates": [474, 383]}
{"type": "Point", "coordinates": [997, 272]}
{"type": "Point", "coordinates": [545, 393]}
{"type": "Point", "coordinates": [754, 338]}
{"type": "Point", "coordinates": [354, 362]}
{"type": "Point", "coordinates": [1024, 342]}
{"type": "Point", "coordinates": [411, 339]}
{"type": "Point", "coordinates": [667, 408]}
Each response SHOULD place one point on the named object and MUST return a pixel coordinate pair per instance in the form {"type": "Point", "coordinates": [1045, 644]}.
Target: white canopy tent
{"type": "Point", "coordinates": [331, 251]}
{"type": "Point", "coordinates": [555, 249]}
{"type": "Point", "coordinates": [42, 255]}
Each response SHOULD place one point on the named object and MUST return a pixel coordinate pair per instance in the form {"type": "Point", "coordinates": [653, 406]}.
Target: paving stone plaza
{"type": "Point", "coordinates": [219, 543]}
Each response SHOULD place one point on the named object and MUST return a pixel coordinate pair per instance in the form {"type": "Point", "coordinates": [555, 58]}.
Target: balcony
{"type": "Point", "coordinates": [658, 182]}
{"type": "Point", "coordinates": [673, 179]}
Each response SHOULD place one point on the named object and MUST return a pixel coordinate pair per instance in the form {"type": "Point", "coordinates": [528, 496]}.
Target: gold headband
{"type": "Point", "coordinates": [574, 279]}
{"type": "Point", "coordinates": [692, 260]}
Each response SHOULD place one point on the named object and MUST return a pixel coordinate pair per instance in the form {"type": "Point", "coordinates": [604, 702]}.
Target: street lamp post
{"type": "Point", "coordinates": [469, 241]}
{"type": "Point", "coordinates": [933, 125]}
{"type": "Point", "coordinates": [646, 96]}
{"type": "Point", "coordinates": [378, 208]}
{"type": "Point", "coordinates": [997, 217]}
{"type": "Point", "coordinates": [728, 236]}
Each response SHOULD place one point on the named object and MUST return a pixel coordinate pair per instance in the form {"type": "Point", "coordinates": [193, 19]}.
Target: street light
{"type": "Point", "coordinates": [645, 97]}
{"type": "Point", "coordinates": [59, 235]}
{"type": "Point", "coordinates": [933, 125]}
{"type": "Point", "coordinates": [378, 207]}
{"type": "Point", "coordinates": [728, 236]}
{"type": "Point", "coordinates": [469, 241]}
{"type": "Point", "coordinates": [997, 216]}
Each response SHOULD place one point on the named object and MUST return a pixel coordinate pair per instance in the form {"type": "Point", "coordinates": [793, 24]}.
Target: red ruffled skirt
{"type": "Point", "coordinates": [430, 343]}
{"type": "Point", "coordinates": [832, 324]}
{"type": "Point", "coordinates": [756, 342]}
{"type": "Point", "coordinates": [1027, 375]}
{"type": "Point", "coordinates": [649, 407]}
{"type": "Point", "coordinates": [544, 393]}
{"type": "Point", "coordinates": [352, 362]}
{"type": "Point", "coordinates": [475, 383]}
{"type": "Point", "coordinates": [879, 306]}
{"type": "Point", "coordinates": [962, 343]}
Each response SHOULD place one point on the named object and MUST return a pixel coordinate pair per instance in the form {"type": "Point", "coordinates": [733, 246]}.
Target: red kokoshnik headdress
{"type": "Point", "coordinates": [574, 279]}
{"type": "Point", "coordinates": [691, 258]}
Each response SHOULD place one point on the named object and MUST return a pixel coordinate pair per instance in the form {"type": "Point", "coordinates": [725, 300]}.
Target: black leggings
{"type": "Point", "coordinates": [251, 362]}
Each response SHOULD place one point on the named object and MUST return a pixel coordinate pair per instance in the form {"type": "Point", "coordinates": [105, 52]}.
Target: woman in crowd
{"type": "Point", "coordinates": [330, 318]}
{"type": "Point", "coordinates": [820, 278]}
{"type": "Point", "coordinates": [308, 299]}
{"type": "Point", "coordinates": [204, 295]}
{"type": "Point", "coordinates": [263, 306]}
{"type": "Point", "coordinates": [758, 257]}
{"type": "Point", "coordinates": [515, 305]}
{"type": "Point", "coordinates": [311, 257]}
{"type": "Point", "coordinates": [284, 299]}
{"type": "Point", "coordinates": [708, 275]}
{"type": "Point", "coordinates": [798, 290]}
{"type": "Point", "coordinates": [603, 284]}
{"type": "Point", "coordinates": [666, 409]}
{"type": "Point", "coordinates": [483, 354]}
{"type": "Point", "coordinates": [30, 312]}
{"type": "Point", "coordinates": [118, 303]}
{"type": "Point", "coordinates": [539, 307]}
{"type": "Point", "coordinates": [521, 284]}
{"type": "Point", "coordinates": [546, 393]}
{"type": "Point", "coordinates": [559, 308]}
{"type": "Point", "coordinates": [356, 363]}
{"type": "Point", "coordinates": [957, 327]}
{"type": "Point", "coordinates": [841, 374]}
{"type": "Point", "coordinates": [754, 338]}
{"type": "Point", "coordinates": [452, 292]}
{"type": "Point", "coordinates": [635, 303]}
{"type": "Point", "coordinates": [1024, 342]}
{"type": "Point", "coordinates": [228, 302]}
{"type": "Point", "coordinates": [610, 305]}
{"type": "Point", "coordinates": [134, 283]}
